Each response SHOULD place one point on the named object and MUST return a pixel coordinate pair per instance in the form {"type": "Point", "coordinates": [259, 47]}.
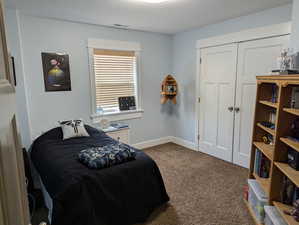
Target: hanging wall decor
{"type": "Point", "coordinates": [169, 90]}
{"type": "Point", "coordinates": [56, 72]}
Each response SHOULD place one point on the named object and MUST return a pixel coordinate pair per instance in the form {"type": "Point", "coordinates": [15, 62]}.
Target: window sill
{"type": "Point", "coordinates": [118, 116]}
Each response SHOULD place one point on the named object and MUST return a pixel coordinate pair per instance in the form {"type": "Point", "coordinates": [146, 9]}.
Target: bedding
{"type": "Point", "coordinates": [119, 195]}
{"type": "Point", "coordinates": [106, 156]}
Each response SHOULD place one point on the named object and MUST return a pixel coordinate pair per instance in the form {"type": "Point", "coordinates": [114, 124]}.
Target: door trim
{"type": "Point", "coordinates": [246, 35]}
{"type": "Point", "coordinates": [8, 79]}
{"type": "Point", "coordinates": [237, 37]}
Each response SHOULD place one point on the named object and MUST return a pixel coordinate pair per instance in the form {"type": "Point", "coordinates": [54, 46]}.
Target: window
{"type": "Point", "coordinates": [114, 74]}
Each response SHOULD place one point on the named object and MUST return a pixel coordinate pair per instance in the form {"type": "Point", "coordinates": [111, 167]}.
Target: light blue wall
{"type": "Point", "coordinates": [184, 61]}
{"type": "Point", "coordinates": [162, 54]}
{"type": "Point", "coordinates": [46, 108]}
{"type": "Point", "coordinates": [295, 26]}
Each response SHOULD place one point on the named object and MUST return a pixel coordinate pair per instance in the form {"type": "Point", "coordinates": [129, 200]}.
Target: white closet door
{"type": "Point", "coordinates": [217, 91]}
{"type": "Point", "coordinates": [255, 58]}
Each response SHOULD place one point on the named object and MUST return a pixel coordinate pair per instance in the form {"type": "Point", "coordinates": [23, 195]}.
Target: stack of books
{"type": "Point", "coordinates": [119, 125]}
{"type": "Point", "coordinates": [115, 127]}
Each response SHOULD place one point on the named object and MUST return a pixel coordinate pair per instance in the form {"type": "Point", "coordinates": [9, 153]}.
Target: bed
{"type": "Point", "coordinates": [76, 195]}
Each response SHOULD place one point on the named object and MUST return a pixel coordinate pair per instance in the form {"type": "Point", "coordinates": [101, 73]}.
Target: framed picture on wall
{"type": "Point", "coordinates": [56, 71]}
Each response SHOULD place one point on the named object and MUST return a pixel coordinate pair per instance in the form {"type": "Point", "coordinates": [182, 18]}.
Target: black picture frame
{"type": "Point", "coordinates": [127, 103]}
{"type": "Point", "coordinates": [56, 71]}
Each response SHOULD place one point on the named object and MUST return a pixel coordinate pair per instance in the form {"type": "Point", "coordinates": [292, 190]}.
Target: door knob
{"type": "Point", "coordinates": [230, 108]}
{"type": "Point", "coordinates": [237, 109]}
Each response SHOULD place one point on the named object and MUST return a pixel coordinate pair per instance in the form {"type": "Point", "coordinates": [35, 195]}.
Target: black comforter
{"type": "Point", "coordinates": [120, 195]}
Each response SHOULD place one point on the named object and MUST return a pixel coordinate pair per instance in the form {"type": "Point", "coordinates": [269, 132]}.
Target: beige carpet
{"type": "Point", "coordinates": [203, 190]}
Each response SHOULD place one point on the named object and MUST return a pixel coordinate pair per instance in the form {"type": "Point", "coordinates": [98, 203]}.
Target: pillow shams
{"type": "Point", "coordinates": [73, 128]}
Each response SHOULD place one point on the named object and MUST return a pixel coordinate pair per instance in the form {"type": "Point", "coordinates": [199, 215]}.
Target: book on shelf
{"type": "Point", "coordinates": [284, 72]}
{"type": "Point", "coordinates": [289, 192]}
{"type": "Point", "coordinates": [296, 194]}
{"type": "Point", "coordinates": [274, 93]}
{"type": "Point", "coordinates": [272, 118]}
{"type": "Point", "coordinates": [293, 158]}
{"type": "Point", "coordinates": [264, 167]}
{"type": "Point", "coordinates": [256, 162]}
{"type": "Point", "coordinates": [261, 165]}
{"type": "Point", "coordinates": [295, 98]}
{"type": "Point", "coordinates": [292, 139]}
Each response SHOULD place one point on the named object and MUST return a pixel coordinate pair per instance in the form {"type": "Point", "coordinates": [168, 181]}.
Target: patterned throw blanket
{"type": "Point", "coordinates": [106, 156]}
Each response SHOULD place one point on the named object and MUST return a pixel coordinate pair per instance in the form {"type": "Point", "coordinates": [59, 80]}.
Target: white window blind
{"type": "Point", "coordinates": [115, 76]}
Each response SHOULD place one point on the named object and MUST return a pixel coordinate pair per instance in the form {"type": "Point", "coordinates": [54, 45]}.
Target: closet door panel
{"type": "Point", "coordinates": [255, 58]}
{"type": "Point", "coordinates": [224, 141]}
{"type": "Point", "coordinates": [217, 87]}
{"type": "Point", "coordinates": [210, 113]}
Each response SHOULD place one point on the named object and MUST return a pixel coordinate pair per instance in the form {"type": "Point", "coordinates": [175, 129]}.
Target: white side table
{"type": "Point", "coordinates": [121, 134]}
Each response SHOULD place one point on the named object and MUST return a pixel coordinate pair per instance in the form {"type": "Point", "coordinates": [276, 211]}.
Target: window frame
{"type": "Point", "coordinates": [118, 46]}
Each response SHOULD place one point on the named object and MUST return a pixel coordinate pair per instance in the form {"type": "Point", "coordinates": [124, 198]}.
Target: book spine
{"type": "Point", "coordinates": [258, 156]}
{"type": "Point", "coordinates": [254, 168]}
{"type": "Point", "coordinates": [263, 170]}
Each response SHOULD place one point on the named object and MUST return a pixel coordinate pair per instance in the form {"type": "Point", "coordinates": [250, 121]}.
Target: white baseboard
{"type": "Point", "coordinates": [152, 143]}
{"type": "Point", "coordinates": [184, 143]}
{"type": "Point", "coordinates": [164, 140]}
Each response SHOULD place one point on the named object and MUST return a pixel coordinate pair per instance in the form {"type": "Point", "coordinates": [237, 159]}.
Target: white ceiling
{"type": "Point", "coordinates": [168, 17]}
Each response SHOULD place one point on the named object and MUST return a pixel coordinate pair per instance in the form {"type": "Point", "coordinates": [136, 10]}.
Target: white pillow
{"type": "Point", "coordinates": [73, 128]}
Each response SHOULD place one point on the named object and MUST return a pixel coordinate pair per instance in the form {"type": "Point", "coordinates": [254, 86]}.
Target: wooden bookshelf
{"type": "Point", "coordinates": [276, 153]}
{"type": "Point", "coordinates": [291, 143]}
{"type": "Point", "coordinates": [292, 111]}
{"type": "Point", "coordinates": [267, 150]}
{"type": "Point", "coordinates": [281, 209]}
{"type": "Point", "coordinates": [291, 173]}
{"type": "Point", "coordinates": [269, 130]}
{"type": "Point", "coordinates": [268, 103]}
